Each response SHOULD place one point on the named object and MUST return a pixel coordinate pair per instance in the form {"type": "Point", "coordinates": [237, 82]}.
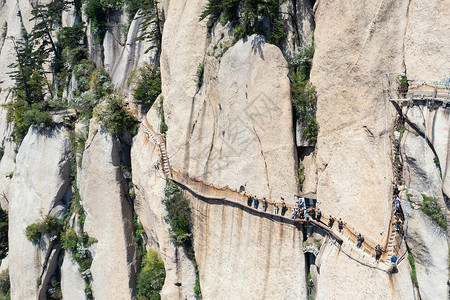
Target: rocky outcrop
{"type": "Point", "coordinates": [40, 181]}
{"type": "Point", "coordinates": [425, 51]}
{"type": "Point", "coordinates": [243, 255]}
{"type": "Point", "coordinates": [337, 270]}
{"type": "Point", "coordinates": [108, 216]}
{"type": "Point", "coordinates": [72, 285]}
{"type": "Point", "coordinates": [428, 244]}
{"type": "Point", "coordinates": [298, 20]}
{"type": "Point", "coordinates": [128, 54]}
{"type": "Point", "coordinates": [239, 128]}
{"type": "Point", "coordinates": [353, 148]}
{"type": "Point", "coordinates": [149, 186]}
{"type": "Point", "coordinates": [235, 129]}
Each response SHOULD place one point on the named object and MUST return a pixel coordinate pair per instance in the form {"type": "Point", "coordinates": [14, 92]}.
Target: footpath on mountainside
{"type": "Point", "coordinates": [346, 238]}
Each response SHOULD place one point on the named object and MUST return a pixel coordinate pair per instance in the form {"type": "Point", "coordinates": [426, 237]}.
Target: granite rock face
{"type": "Point", "coordinates": [39, 183]}
{"type": "Point", "coordinates": [109, 216]}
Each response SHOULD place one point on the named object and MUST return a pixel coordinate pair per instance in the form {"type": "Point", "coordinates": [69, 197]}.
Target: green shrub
{"type": "Point", "coordinates": [69, 239]}
{"type": "Point", "coordinates": [139, 232]}
{"type": "Point", "coordinates": [36, 230]}
{"type": "Point", "coordinates": [97, 16]}
{"type": "Point", "coordinates": [115, 117]}
{"type": "Point", "coordinates": [5, 285]}
{"type": "Point", "coordinates": [3, 233]}
{"type": "Point", "coordinates": [248, 17]}
{"type": "Point", "coordinates": [163, 126]}
{"type": "Point", "coordinates": [200, 72]}
{"type": "Point", "coordinates": [151, 277]}
{"type": "Point", "coordinates": [403, 85]}
{"type": "Point", "coordinates": [413, 270]}
{"type": "Point", "coordinates": [301, 174]}
{"type": "Point", "coordinates": [311, 130]}
{"type": "Point", "coordinates": [148, 86]}
{"type": "Point", "coordinates": [132, 6]}
{"type": "Point", "coordinates": [432, 209]}
{"type": "Point", "coordinates": [82, 72]}
{"type": "Point", "coordinates": [112, 4]}
{"type": "Point", "coordinates": [178, 213]}
{"type": "Point", "coordinates": [24, 115]}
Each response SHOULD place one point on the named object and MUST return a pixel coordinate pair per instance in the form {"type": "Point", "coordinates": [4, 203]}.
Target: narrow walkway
{"type": "Point", "coordinates": [347, 239]}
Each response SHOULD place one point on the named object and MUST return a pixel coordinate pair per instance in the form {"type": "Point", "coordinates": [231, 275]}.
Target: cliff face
{"type": "Point", "coordinates": [230, 124]}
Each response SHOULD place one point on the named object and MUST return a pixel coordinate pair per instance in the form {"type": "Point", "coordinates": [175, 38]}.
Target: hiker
{"type": "Point", "coordinates": [340, 225]}
{"type": "Point", "coordinates": [397, 223]}
{"type": "Point", "coordinates": [301, 213]}
{"type": "Point", "coordinates": [395, 188]}
{"type": "Point", "coordinates": [313, 213]}
{"type": "Point", "coordinates": [283, 208]}
{"type": "Point", "coordinates": [294, 213]}
{"type": "Point", "coordinates": [255, 203]}
{"type": "Point", "coordinates": [360, 240]}
{"type": "Point", "coordinates": [305, 212]}
{"type": "Point", "coordinates": [318, 215]}
{"type": "Point", "coordinates": [264, 204]}
{"type": "Point", "coordinates": [396, 203]}
{"type": "Point", "coordinates": [330, 222]}
{"type": "Point", "coordinates": [393, 268]}
{"type": "Point", "coordinates": [377, 253]}
{"type": "Point", "coordinates": [249, 200]}
{"type": "Point", "coordinates": [302, 201]}
{"type": "Point", "coordinates": [275, 208]}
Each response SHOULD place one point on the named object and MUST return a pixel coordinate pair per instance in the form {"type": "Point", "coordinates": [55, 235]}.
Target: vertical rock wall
{"type": "Point", "coordinates": [108, 217]}
{"type": "Point", "coordinates": [41, 178]}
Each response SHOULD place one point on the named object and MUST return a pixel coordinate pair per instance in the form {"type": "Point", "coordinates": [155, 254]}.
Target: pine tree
{"type": "Point", "coordinates": [150, 25]}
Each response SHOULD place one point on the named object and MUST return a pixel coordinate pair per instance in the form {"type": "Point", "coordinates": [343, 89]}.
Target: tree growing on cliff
{"type": "Point", "coordinates": [151, 25]}
{"type": "Point", "coordinates": [248, 17]}
{"type": "Point", "coordinates": [148, 86]}
{"type": "Point", "coordinates": [151, 277]}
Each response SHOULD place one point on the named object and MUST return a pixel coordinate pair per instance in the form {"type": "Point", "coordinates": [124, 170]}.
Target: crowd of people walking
{"type": "Point", "coordinates": [309, 212]}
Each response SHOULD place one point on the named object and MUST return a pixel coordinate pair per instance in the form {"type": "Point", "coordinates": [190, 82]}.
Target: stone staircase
{"type": "Point", "coordinates": [158, 140]}
{"type": "Point", "coordinates": [365, 255]}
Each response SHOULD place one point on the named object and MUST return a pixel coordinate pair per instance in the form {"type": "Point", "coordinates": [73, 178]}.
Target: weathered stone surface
{"type": "Point", "coordinates": [429, 246]}
{"type": "Point", "coordinates": [341, 276]}
{"type": "Point", "coordinates": [72, 285]}
{"type": "Point", "coordinates": [129, 56]}
{"type": "Point", "coordinates": [239, 127]}
{"type": "Point", "coordinates": [108, 217]}
{"type": "Point", "coordinates": [41, 178]}
{"type": "Point", "coordinates": [149, 186]}
{"type": "Point", "coordinates": [438, 133]}
{"type": "Point", "coordinates": [244, 255]}
{"type": "Point", "coordinates": [353, 148]}
{"type": "Point", "coordinates": [426, 51]}
{"type": "Point", "coordinates": [420, 171]}
{"type": "Point", "coordinates": [115, 38]}
{"type": "Point", "coordinates": [298, 20]}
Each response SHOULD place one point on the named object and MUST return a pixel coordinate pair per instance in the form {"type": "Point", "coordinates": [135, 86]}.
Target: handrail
{"type": "Point", "coordinates": [226, 194]}
{"type": "Point", "coordinates": [184, 181]}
